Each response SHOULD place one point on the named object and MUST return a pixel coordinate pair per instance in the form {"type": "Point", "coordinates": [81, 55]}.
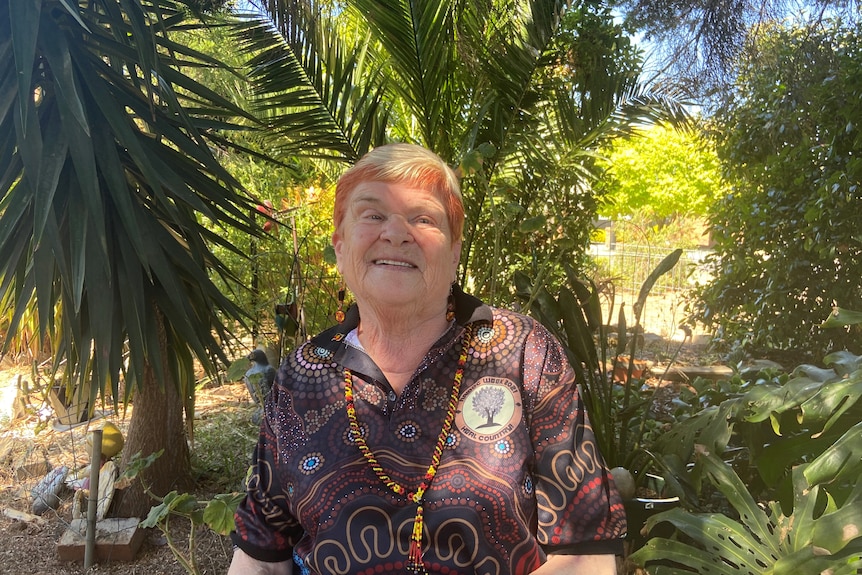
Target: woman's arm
{"type": "Point", "coordinates": [242, 564]}
{"type": "Point", "coordinates": [578, 565]}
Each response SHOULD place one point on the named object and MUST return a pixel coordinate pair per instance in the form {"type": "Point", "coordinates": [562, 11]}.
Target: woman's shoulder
{"type": "Point", "coordinates": [312, 353]}
{"type": "Point", "coordinates": [519, 327]}
{"type": "Point", "coordinates": [508, 316]}
{"type": "Point", "coordinates": [510, 325]}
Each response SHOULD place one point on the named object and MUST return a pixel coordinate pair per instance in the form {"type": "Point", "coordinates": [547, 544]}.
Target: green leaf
{"type": "Point", "coordinates": [783, 453]}
{"type": "Point", "coordinates": [57, 53]}
{"type": "Point", "coordinates": [588, 295]}
{"type": "Point", "coordinates": [841, 317]}
{"type": "Point", "coordinates": [237, 369]}
{"type": "Point", "coordinates": [72, 9]}
{"type": "Point", "coordinates": [43, 275]}
{"type": "Point", "coordinates": [219, 512]}
{"type": "Point", "coordinates": [750, 514]}
{"type": "Point", "coordinates": [137, 464]}
{"type": "Point", "coordinates": [157, 514]}
{"type": "Point", "coordinates": [533, 224]}
{"type": "Point", "coordinates": [813, 372]}
{"type": "Point", "coordinates": [322, 97]}
{"type": "Point", "coordinates": [812, 559]}
{"type": "Point", "coordinates": [842, 460]}
{"type": "Point", "coordinates": [180, 503]}
{"type": "Point", "coordinates": [487, 149]}
{"type": "Point", "coordinates": [418, 38]}
{"type": "Point", "coordinates": [24, 22]}
{"type": "Point", "coordinates": [183, 504]}
{"type": "Point", "coordinates": [29, 140]}
{"type": "Point", "coordinates": [811, 540]}
{"type": "Point", "coordinates": [832, 401]}
{"type": "Point", "coordinates": [578, 333]}
{"type": "Point", "coordinates": [662, 550]}
{"type": "Point", "coordinates": [662, 268]}
{"type": "Point", "coordinates": [111, 167]}
{"type": "Point", "coordinates": [329, 254]}
{"type": "Point", "coordinates": [54, 156]}
{"type": "Point", "coordinates": [835, 531]}
{"type": "Point", "coordinates": [844, 362]}
{"type": "Point", "coordinates": [767, 400]}
{"type": "Point", "coordinates": [471, 163]}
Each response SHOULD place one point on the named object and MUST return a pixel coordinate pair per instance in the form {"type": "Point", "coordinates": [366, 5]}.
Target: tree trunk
{"type": "Point", "coordinates": [157, 423]}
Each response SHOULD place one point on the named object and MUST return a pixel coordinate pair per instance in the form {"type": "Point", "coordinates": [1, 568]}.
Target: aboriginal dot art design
{"type": "Point", "coordinates": [518, 474]}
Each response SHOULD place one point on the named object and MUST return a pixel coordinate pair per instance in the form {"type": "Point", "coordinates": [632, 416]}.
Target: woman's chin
{"type": "Point", "coordinates": [397, 300]}
{"type": "Point", "coordinates": [409, 303]}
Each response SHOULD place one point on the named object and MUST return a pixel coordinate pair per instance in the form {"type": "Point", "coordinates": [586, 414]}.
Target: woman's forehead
{"type": "Point", "coordinates": [385, 192]}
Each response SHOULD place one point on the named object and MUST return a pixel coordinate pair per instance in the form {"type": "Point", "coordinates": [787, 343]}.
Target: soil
{"type": "Point", "coordinates": [29, 546]}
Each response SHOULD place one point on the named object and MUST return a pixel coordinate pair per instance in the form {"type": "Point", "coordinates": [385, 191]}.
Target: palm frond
{"type": "Point", "coordinates": [104, 175]}
{"type": "Point", "coordinates": [635, 106]}
{"type": "Point", "coordinates": [417, 45]}
{"type": "Point", "coordinates": [322, 97]}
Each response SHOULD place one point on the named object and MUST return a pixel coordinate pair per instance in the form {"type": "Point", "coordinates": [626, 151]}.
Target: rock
{"type": "Point", "coordinates": [21, 517]}
{"type": "Point", "coordinates": [624, 481]}
{"type": "Point", "coordinates": [652, 339]}
{"type": "Point", "coordinates": [117, 539]}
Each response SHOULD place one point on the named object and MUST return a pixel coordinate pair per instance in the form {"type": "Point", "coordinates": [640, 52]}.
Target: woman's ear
{"type": "Point", "coordinates": [337, 245]}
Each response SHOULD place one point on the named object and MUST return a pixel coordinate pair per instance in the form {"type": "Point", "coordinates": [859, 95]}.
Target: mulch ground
{"type": "Point", "coordinates": [29, 547]}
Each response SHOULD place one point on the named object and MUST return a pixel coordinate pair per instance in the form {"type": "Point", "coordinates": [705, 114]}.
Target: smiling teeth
{"type": "Point", "coordinates": [394, 263]}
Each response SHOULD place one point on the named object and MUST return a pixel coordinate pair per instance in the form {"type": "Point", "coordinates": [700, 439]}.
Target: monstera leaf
{"type": "Point", "coordinates": [769, 542]}
{"type": "Point", "coordinates": [782, 424]}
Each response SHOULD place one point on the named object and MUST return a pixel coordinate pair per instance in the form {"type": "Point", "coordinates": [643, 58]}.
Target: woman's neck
{"type": "Point", "coordinates": [398, 346]}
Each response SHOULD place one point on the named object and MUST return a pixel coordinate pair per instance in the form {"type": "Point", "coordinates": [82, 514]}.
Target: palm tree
{"type": "Point", "coordinates": [107, 175]}
{"type": "Point", "coordinates": [493, 87]}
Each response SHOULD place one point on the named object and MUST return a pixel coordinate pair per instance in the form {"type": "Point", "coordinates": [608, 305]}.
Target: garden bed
{"type": "Point", "coordinates": [28, 547]}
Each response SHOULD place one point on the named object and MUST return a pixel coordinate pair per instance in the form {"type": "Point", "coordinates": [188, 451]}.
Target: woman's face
{"type": "Point", "coordinates": [394, 246]}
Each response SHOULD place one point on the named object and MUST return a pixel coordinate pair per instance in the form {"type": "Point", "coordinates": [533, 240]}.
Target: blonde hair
{"type": "Point", "coordinates": [404, 164]}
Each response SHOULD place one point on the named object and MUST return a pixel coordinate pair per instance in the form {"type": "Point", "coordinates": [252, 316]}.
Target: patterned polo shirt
{"type": "Point", "coordinates": [520, 476]}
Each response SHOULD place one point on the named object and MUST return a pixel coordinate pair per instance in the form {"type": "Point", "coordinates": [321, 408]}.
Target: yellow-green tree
{"type": "Point", "coordinates": [663, 179]}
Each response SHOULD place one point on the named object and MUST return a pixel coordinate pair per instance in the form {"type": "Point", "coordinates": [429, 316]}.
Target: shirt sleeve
{"type": "Point", "coordinates": [265, 529]}
{"type": "Point", "coordinates": [579, 508]}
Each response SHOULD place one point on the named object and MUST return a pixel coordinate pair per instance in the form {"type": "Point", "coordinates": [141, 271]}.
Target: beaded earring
{"type": "Point", "coordinates": [339, 313]}
{"type": "Point", "coordinates": [450, 306]}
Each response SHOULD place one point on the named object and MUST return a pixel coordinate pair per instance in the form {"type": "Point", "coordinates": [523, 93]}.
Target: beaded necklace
{"type": "Point", "coordinates": [414, 557]}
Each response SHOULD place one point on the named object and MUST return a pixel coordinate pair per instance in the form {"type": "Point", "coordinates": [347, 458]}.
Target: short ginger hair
{"type": "Point", "coordinates": [405, 164]}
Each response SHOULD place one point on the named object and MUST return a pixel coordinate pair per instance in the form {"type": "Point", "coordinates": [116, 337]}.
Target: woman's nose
{"type": "Point", "coordinates": [397, 230]}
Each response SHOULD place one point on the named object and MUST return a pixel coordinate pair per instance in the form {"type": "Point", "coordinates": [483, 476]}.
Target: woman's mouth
{"type": "Point", "coordinates": [393, 263]}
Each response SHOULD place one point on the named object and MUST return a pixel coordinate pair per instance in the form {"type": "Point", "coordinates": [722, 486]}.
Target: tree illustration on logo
{"type": "Point", "coordinates": [487, 402]}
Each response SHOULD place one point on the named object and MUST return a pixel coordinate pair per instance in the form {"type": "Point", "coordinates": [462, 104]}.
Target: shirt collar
{"type": "Point", "coordinates": [468, 309]}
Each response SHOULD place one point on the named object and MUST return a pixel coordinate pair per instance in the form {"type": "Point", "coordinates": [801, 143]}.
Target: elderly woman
{"type": "Point", "coordinates": [426, 432]}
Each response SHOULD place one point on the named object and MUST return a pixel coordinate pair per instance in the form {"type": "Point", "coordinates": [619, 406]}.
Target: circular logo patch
{"type": "Point", "coordinates": [490, 410]}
